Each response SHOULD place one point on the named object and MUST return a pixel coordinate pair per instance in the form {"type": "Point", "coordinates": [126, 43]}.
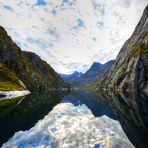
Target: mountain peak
{"type": "Point", "coordinates": [96, 63]}
{"type": "Point", "coordinates": [95, 66]}
{"type": "Point", "coordinates": [3, 30]}
{"type": "Point", "coordinates": [77, 73]}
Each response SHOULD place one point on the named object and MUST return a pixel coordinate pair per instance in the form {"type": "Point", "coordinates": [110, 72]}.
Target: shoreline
{"type": "Point", "coordinates": [13, 94]}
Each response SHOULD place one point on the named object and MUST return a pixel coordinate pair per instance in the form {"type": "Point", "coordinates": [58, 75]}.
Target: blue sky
{"type": "Point", "coordinates": [71, 34]}
{"type": "Point", "coordinates": [40, 3]}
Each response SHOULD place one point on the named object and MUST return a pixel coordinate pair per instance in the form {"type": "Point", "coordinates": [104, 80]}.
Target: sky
{"type": "Point", "coordinates": [71, 34]}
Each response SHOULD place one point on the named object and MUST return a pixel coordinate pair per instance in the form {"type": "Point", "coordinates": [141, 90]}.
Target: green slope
{"type": "Point", "coordinates": [8, 80]}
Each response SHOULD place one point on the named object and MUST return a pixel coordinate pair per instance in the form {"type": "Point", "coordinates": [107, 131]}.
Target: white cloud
{"type": "Point", "coordinates": [71, 31]}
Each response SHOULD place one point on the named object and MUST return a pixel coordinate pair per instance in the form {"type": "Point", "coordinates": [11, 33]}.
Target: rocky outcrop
{"type": "Point", "coordinates": [130, 70]}
{"type": "Point", "coordinates": [142, 72]}
{"type": "Point", "coordinates": [35, 73]}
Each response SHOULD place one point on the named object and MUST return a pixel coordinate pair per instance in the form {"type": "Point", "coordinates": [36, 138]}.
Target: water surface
{"type": "Point", "coordinates": [77, 119]}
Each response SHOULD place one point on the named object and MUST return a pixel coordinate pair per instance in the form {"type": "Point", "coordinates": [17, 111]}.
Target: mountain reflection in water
{"type": "Point", "coordinates": [80, 119]}
{"type": "Point", "coordinates": [131, 109]}
{"type": "Point", "coordinates": [22, 113]}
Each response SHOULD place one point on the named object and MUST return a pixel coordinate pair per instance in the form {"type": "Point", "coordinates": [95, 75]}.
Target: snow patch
{"type": "Point", "coordinates": [69, 126]}
{"type": "Point", "coordinates": [13, 94]}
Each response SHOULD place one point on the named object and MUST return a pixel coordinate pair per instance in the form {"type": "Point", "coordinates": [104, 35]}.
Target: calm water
{"type": "Point", "coordinates": [78, 119]}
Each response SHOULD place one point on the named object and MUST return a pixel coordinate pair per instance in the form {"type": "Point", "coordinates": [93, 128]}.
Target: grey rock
{"type": "Point", "coordinates": [130, 69]}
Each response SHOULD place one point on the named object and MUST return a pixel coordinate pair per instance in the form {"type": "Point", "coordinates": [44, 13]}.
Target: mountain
{"type": "Point", "coordinates": [35, 73]}
{"type": "Point", "coordinates": [76, 74]}
{"type": "Point", "coordinates": [71, 78]}
{"type": "Point", "coordinates": [130, 69]}
{"type": "Point", "coordinates": [93, 71]}
{"type": "Point", "coordinates": [96, 70]}
{"type": "Point", "coordinates": [9, 80]}
{"type": "Point", "coordinates": [90, 77]}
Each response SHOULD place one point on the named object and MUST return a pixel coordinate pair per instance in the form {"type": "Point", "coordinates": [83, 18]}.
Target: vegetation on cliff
{"type": "Point", "coordinates": [9, 81]}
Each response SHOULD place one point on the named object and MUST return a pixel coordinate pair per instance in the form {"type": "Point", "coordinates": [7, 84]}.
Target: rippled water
{"type": "Point", "coordinates": [81, 119]}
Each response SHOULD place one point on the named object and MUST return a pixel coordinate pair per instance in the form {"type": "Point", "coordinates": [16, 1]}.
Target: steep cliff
{"type": "Point", "coordinates": [130, 70]}
{"type": "Point", "coordinates": [35, 73]}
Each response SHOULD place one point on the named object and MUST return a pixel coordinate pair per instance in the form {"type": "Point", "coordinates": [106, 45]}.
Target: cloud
{"type": "Point", "coordinates": [54, 12]}
{"type": "Point", "coordinates": [99, 7]}
{"type": "Point", "coordinates": [127, 3]}
{"type": "Point", "coordinates": [67, 2]}
{"type": "Point", "coordinates": [94, 39]}
{"type": "Point", "coordinates": [100, 24]}
{"type": "Point", "coordinates": [80, 23]}
{"type": "Point", "coordinates": [40, 43]}
{"type": "Point", "coordinates": [53, 32]}
{"type": "Point", "coordinates": [70, 30]}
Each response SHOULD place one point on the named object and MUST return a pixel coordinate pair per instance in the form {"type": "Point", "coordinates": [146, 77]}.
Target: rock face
{"type": "Point", "coordinates": [130, 70]}
{"type": "Point", "coordinates": [90, 77]}
{"type": "Point", "coordinates": [35, 73]}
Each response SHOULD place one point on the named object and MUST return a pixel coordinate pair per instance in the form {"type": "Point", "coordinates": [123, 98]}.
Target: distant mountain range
{"type": "Point", "coordinates": [76, 74]}
{"type": "Point", "coordinates": [25, 70]}
{"type": "Point", "coordinates": [90, 77]}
